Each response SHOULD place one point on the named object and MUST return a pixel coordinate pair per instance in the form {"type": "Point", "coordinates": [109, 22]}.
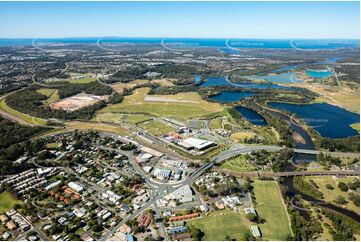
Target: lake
{"type": "Point", "coordinates": [330, 121]}
{"type": "Point", "coordinates": [231, 96]}
{"type": "Point", "coordinates": [252, 116]}
{"type": "Point", "coordinates": [223, 81]}
{"type": "Point", "coordinates": [288, 77]}
{"type": "Point", "coordinates": [319, 73]}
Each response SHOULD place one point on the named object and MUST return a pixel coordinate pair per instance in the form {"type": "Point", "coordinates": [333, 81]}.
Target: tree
{"type": "Point", "coordinates": [343, 186]}
{"type": "Point", "coordinates": [196, 234]}
{"type": "Point", "coordinates": [251, 217]}
{"type": "Point", "coordinates": [340, 200]}
{"type": "Point", "coordinates": [329, 186]}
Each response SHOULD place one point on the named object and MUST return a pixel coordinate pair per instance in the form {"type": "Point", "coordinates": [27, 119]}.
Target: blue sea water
{"type": "Point", "coordinates": [223, 44]}
{"type": "Point", "coordinates": [330, 121]}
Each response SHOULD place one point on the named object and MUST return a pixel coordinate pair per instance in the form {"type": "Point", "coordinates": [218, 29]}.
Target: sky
{"type": "Point", "coordinates": [273, 20]}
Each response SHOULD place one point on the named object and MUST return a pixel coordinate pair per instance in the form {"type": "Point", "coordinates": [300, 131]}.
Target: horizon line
{"type": "Point", "coordinates": [159, 37]}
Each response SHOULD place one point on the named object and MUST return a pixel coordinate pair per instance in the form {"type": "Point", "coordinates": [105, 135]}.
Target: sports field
{"type": "Point", "coordinates": [7, 201]}
{"type": "Point", "coordinates": [239, 163]}
{"type": "Point", "coordinates": [270, 207]}
{"type": "Point", "coordinates": [220, 224]}
{"type": "Point", "coordinates": [181, 106]}
{"type": "Point", "coordinates": [156, 128]}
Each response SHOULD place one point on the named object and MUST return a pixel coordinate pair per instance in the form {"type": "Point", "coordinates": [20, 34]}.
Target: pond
{"type": "Point", "coordinates": [230, 96]}
{"type": "Point", "coordinates": [319, 73]}
{"type": "Point", "coordinates": [330, 121]}
{"type": "Point", "coordinates": [252, 116]}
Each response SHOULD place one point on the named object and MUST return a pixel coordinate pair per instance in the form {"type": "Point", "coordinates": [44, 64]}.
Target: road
{"type": "Point", "coordinates": [288, 174]}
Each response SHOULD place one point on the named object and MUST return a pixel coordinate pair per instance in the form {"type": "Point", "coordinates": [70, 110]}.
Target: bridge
{"type": "Point", "coordinates": [289, 173]}
{"type": "Point", "coordinates": [316, 152]}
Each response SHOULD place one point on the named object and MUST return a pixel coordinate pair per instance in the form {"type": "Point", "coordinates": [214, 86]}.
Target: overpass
{"type": "Point", "coordinates": [289, 173]}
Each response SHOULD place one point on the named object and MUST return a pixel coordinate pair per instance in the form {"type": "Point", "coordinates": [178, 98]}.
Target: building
{"type": "Point", "coordinates": [178, 175]}
{"type": "Point", "coordinates": [250, 210]}
{"type": "Point", "coordinates": [255, 231]}
{"type": "Point", "coordinates": [143, 158]}
{"type": "Point", "coordinates": [75, 186]}
{"type": "Point", "coordinates": [177, 230]}
{"type": "Point", "coordinates": [144, 220]}
{"type": "Point", "coordinates": [10, 225]}
{"type": "Point", "coordinates": [162, 173]}
{"type": "Point", "coordinates": [3, 218]}
{"type": "Point", "coordinates": [198, 144]}
{"type": "Point", "coordinates": [182, 194]}
{"type": "Point", "coordinates": [183, 217]}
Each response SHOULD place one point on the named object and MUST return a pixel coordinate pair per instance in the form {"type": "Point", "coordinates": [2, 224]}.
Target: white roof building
{"type": "Point", "coordinates": [75, 186]}
{"type": "Point", "coordinates": [182, 194]}
{"type": "Point", "coordinates": [199, 144]}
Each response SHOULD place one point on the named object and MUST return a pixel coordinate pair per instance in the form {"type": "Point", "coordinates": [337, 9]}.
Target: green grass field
{"type": "Point", "coordinates": [136, 118]}
{"type": "Point", "coordinates": [23, 116]}
{"type": "Point", "coordinates": [215, 123]}
{"type": "Point", "coordinates": [156, 128]}
{"type": "Point", "coordinates": [330, 195]}
{"type": "Point", "coordinates": [238, 164]}
{"type": "Point", "coordinates": [220, 224]}
{"type": "Point", "coordinates": [83, 80]}
{"type": "Point", "coordinates": [52, 95]}
{"type": "Point", "coordinates": [97, 126]}
{"type": "Point", "coordinates": [7, 201]}
{"type": "Point", "coordinates": [108, 117]}
{"type": "Point", "coordinates": [182, 106]}
{"type": "Point", "coordinates": [270, 207]}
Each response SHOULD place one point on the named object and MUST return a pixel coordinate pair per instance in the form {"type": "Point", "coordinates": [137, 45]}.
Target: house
{"type": "Point", "coordinates": [125, 208]}
{"type": "Point", "coordinates": [182, 236]}
{"type": "Point", "coordinates": [125, 229]}
{"type": "Point", "coordinates": [10, 225]}
{"type": "Point", "coordinates": [6, 235]}
{"type": "Point", "coordinates": [250, 210]}
{"type": "Point", "coordinates": [3, 218]}
{"type": "Point", "coordinates": [79, 212]}
{"type": "Point", "coordinates": [144, 220]}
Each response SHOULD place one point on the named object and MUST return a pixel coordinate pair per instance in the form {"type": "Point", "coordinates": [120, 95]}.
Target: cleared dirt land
{"type": "Point", "coordinates": [136, 103]}
{"type": "Point", "coordinates": [77, 101]}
